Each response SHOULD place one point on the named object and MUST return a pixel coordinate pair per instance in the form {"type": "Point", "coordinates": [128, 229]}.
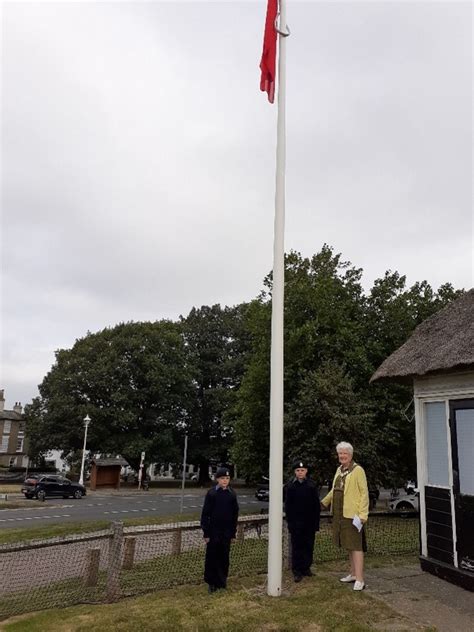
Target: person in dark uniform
{"type": "Point", "coordinates": [219, 524]}
{"type": "Point", "coordinates": [302, 508]}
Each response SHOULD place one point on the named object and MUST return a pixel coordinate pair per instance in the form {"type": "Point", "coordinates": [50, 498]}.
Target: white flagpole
{"type": "Point", "coordinates": [275, 517]}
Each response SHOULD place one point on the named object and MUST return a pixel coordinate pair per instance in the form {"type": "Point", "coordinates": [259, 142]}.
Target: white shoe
{"type": "Point", "coordinates": [359, 585]}
{"type": "Point", "coordinates": [348, 579]}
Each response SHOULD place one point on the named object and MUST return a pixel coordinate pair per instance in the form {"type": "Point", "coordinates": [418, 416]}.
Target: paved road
{"type": "Point", "coordinates": [109, 507]}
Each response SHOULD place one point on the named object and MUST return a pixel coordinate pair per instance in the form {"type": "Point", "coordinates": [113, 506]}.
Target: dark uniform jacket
{"type": "Point", "coordinates": [302, 505]}
{"type": "Point", "coordinates": [219, 513]}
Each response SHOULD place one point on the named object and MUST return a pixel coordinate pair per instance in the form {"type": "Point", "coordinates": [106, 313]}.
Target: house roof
{"type": "Point", "coordinates": [11, 414]}
{"type": "Point", "coordinates": [442, 343]}
{"type": "Point", "coordinates": [110, 461]}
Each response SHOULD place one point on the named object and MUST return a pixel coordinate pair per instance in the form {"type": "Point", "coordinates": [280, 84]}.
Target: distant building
{"type": "Point", "coordinates": [12, 434]}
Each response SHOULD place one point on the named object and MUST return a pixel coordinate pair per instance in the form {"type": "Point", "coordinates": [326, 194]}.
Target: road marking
{"type": "Point", "coordinates": [124, 511]}
{"type": "Point", "coordinates": [193, 506]}
{"type": "Point", "coordinates": [134, 510]}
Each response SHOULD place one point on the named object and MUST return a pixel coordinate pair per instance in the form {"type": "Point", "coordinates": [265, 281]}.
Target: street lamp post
{"type": "Point", "coordinates": [87, 421]}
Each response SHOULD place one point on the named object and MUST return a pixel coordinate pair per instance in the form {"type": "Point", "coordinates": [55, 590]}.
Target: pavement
{"type": "Point", "coordinates": [112, 505]}
{"type": "Point", "coordinates": [421, 600]}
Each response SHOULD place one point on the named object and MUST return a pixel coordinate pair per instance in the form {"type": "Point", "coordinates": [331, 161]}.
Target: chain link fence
{"type": "Point", "coordinates": [123, 561]}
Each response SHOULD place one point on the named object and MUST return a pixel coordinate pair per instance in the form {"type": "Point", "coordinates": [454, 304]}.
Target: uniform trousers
{"type": "Point", "coordinates": [302, 547]}
{"type": "Point", "coordinates": [216, 567]}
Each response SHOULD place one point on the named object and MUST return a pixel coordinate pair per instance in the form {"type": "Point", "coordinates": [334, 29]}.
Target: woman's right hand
{"type": "Point", "coordinates": [206, 540]}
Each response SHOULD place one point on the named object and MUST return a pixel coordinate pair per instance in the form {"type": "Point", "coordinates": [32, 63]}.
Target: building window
{"type": "Point", "coordinates": [7, 426]}
{"type": "Point", "coordinates": [4, 446]}
{"type": "Point", "coordinates": [437, 444]}
{"type": "Point", "coordinates": [19, 445]}
{"type": "Point", "coordinates": [465, 436]}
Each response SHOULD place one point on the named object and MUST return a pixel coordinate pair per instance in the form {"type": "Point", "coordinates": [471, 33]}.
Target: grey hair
{"type": "Point", "coordinates": [343, 445]}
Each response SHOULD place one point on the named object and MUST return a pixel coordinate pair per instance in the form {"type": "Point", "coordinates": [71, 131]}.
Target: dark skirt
{"type": "Point", "coordinates": [344, 533]}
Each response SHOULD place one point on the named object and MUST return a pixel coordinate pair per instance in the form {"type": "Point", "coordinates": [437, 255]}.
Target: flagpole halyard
{"type": "Point", "coordinates": [275, 518]}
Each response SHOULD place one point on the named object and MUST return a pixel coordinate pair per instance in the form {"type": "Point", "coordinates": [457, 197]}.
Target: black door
{"type": "Point", "coordinates": [462, 440]}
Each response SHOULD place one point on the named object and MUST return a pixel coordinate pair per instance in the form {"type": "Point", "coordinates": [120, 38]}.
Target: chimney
{"type": "Point", "coordinates": [18, 408]}
{"type": "Point", "coordinates": [2, 400]}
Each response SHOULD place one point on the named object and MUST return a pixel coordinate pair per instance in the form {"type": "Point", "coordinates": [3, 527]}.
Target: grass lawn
{"type": "Point", "coordinates": [318, 604]}
{"type": "Point", "coordinates": [10, 489]}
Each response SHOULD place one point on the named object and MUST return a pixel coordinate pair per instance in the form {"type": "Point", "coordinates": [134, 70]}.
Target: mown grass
{"type": "Point", "coordinates": [10, 489]}
{"type": "Point", "coordinates": [319, 604]}
{"type": "Point", "coordinates": [165, 570]}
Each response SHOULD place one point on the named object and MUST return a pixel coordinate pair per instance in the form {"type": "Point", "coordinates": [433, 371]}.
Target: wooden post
{"type": "Point", "coordinates": [114, 562]}
{"type": "Point", "coordinates": [129, 553]}
{"type": "Point", "coordinates": [240, 532]}
{"type": "Point", "coordinates": [176, 545]}
{"type": "Point", "coordinates": [92, 567]}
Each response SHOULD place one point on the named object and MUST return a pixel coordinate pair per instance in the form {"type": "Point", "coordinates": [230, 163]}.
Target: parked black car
{"type": "Point", "coordinates": [263, 490]}
{"type": "Point", "coordinates": [42, 486]}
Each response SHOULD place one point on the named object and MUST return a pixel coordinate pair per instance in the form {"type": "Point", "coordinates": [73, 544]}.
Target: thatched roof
{"type": "Point", "coordinates": [442, 343]}
{"type": "Point", "coordinates": [110, 461]}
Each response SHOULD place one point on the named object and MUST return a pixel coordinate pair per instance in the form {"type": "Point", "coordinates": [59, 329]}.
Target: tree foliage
{"type": "Point", "coordinates": [208, 375]}
{"type": "Point", "coordinates": [336, 335]}
{"type": "Point", "coordinates": [133, 380]}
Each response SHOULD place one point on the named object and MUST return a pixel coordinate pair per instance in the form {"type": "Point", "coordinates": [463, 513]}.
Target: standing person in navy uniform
{"type": "Point", "coordinates": [302, 508]}
{"type": "Point", "coordinates": [219, 524]}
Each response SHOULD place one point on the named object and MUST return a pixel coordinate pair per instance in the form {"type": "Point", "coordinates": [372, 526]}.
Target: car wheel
{"type": "Point", "coordinates": [41, 495]}
{"type": "Point", "coordinates": [404, 507]}
{"type": "Point", "coordinates": [78, 494]}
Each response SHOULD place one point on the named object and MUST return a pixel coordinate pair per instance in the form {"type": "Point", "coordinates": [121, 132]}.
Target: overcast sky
{"type": "Point", "coordinates": [138, 157]}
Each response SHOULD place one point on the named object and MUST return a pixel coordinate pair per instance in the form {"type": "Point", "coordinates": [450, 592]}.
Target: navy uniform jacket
{"type": "Point", "coordinates": [302, 506]}
{"type": "Point", "coordinates": [219, 513]}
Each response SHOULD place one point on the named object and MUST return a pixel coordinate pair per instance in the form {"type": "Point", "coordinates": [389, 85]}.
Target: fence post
{"type": "Point", "coordinates": [114, 562]}
{"type": "Point", "coordinates": [129, 553]}
{"type": "Point", "coordinates": [240, 532]}
{"type": "Point", "coordinates": [176, 545]}
{"type": "Point", "coordinates": [92, 567]}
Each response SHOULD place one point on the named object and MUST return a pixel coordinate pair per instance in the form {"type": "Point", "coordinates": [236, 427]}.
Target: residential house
{"type": "Point", "coordinates": [12, 435]}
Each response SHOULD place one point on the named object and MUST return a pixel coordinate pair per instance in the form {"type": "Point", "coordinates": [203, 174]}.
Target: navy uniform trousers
{"type": "Point", "coordinates": [302, 547]}
{"type": "Point", "coordinates": [216, 566]}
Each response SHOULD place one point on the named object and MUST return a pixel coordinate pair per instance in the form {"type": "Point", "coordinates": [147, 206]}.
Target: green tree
{"type": "Point", "coordinates": [324, 312]}
{"type": "Point", "coordinates": [216, 345]}
{"type": "Point", "coordinates": [135, 383]}
{"type": "Point", "coordinates": [336, 336]}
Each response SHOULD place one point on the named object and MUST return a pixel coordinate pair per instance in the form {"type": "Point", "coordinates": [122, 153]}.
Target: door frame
{"type": "Point", "coordinates": [456, 404]}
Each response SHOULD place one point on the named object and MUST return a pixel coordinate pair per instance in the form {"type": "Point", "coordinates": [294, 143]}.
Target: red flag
{"type": "Point", "coordinates": [268, 62]}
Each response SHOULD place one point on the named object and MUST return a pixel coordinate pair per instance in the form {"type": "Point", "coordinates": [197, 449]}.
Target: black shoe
{"type": "Point", "coordinates": [298, 578]}
{"type": "Point", "coordinates": [308, 573]}
{"type": "Point", "coordinates": [211, 589]}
